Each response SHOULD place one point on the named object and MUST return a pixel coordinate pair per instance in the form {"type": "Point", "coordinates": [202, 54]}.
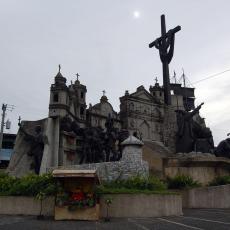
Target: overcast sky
{"type": "Point", "coordinates": [106, 42]}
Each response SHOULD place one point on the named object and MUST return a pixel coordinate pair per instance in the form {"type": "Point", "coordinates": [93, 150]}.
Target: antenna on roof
{"type": "Point", "coordinates": [174, 76]}
{"type": "Point", "coordinates": [183, 77]}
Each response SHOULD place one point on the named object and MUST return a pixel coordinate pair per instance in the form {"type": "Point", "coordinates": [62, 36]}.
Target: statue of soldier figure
{"type": "Point", "coordinates": [185, 136]}
{"type": "Point", "coordinates": [37, 146]}
{"type": "Point", "coordinates": [192, 135]}
{"type": "Point", "coordinates": [92, 146]}
{"type": "Point", "coordinates": [110, 140]}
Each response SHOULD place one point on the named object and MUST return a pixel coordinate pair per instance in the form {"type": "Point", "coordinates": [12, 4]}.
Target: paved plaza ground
{"type": "Point", "coordinates": [218, 219]}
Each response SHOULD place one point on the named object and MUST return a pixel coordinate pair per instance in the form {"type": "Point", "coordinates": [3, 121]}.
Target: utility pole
{"type": "Point", "coordinates": [4, 108]}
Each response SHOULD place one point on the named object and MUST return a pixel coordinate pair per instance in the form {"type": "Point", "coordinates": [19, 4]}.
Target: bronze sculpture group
{"type": "Point", "coordinates": [97, 145]}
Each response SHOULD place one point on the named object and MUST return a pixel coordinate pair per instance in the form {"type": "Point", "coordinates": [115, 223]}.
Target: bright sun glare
{"type": "Point", "coordinates": [136, 14]}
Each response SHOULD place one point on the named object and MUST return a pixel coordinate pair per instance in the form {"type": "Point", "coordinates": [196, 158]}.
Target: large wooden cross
{"type": "Point", "coordinates": [165, 45]}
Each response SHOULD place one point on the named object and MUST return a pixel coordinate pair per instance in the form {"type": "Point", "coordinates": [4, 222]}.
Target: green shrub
{"type": "Point", "coordinates": [221, 180]}
{"type": "Point", "coordinates": [29, 185]}
{"type": "Point", "coordinates": [182, 182]}
{"type": "Point", "coordinates": [134, 184]}
{"type": "Point", "coordinates": [6, 183]}
{"type": "Point", "coordinates": [3, 175]}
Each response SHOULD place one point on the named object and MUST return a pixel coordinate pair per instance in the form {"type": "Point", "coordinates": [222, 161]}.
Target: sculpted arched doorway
{"type": "Point", "coordinates": [144, 130]}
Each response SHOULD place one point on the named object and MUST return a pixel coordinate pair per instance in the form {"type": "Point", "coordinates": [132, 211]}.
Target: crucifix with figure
{"type": "Point", "coordinates": [165, 45]}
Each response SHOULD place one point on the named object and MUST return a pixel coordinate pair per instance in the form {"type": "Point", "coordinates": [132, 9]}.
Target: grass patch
{"type": "Point", "coordinates": [221, 180]}
{"type": "Point", "coordinates": [134, 185]}
{"type": "Point", "coordinates": [35, 185]}
{"type": "Point", "coordinates": [182, 182]}
{"type": "Point", "coordinates": [29, 185]}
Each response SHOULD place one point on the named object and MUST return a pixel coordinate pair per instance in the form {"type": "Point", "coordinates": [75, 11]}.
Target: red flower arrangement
{"type": "Point", "coordinates": [75, 200]}
{"type": "Point", "coordinates": [78, 196]}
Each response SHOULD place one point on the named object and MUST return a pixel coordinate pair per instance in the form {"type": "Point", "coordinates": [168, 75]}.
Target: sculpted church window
{"type": "Point", "coordinates": [131, 106]}
{"type": "Point", "coordinates": [82, 111]}
{"type": "Point", "coordinates": [55, 97]}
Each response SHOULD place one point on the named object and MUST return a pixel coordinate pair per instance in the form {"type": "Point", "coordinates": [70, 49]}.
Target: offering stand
{"type": "Point", "coordinates": [76, 199]}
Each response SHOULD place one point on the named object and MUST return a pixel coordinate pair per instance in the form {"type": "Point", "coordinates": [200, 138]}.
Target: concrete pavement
{"type": "Point", "coordinates": [210, 219]}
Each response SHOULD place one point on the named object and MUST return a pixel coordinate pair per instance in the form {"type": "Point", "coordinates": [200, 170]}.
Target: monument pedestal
{"type": "Point", "coordinates": [202, 169]}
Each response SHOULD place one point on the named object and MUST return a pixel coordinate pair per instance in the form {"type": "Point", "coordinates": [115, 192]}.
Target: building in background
{"type": "Point", "coordinates": [7, 149]}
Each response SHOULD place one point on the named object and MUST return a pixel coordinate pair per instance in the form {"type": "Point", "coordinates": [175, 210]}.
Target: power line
{"type": "Point", "coordinates": [211, 76]}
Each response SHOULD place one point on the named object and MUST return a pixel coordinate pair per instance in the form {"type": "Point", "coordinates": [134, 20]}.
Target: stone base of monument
{"type": "Point", "coordinates": [131, 163]}
{"type": "Point", "coordinates": [207, 197]}
{"type": "Point", "coordinates": [123, 205]}
{"type": "Point", "coordinates": [141, 205]}
{"type": "Point", "coordinates": [153, 152]}
{"type": "Point", "coordinates": [24, 205]}
{"type": "Point", "coordinates": [201, 167]}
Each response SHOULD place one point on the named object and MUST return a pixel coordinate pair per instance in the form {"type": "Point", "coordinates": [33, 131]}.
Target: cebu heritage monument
{"type": "Point", "coordinates": [157, 130]}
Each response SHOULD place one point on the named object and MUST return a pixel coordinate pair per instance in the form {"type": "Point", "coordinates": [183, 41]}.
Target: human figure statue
{"type": "Point", "coordinates": [122, 135]}
{"type": "Point", "coordinates": [185, 136]}
{"type": "Point", "coordinates": [65, 124]}
{"type": "Point", "coordinates": [87, 154]}
{"type": "Point", "coordinates": [92, 145]}
{"type": "Point", "coordinates": [165, 45]}
{"type": "Point", "coordinates": [203, 138]}
{"type": "Point", "coordinates": [37, 146]}
{"type": "Point", "coordinates": [223, 148]}
{"type": "Point", "coordinates": [110, 139]}
{"type": "Point", "coordinates": [109, 123]}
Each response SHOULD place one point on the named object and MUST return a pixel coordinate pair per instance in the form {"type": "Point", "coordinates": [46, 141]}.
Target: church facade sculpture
{"type": "Point", "coordinates": [143, 112]}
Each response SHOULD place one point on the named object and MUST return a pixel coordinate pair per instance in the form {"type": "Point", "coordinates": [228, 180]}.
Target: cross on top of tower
{"type": "Point", "coordinates": [78, 75]}
{"type": "Point", "coordinates": [59, 68]}
{"type": "Point", "coordinates": [103, 92]}
{"type": "Point", "coordinates": [19, 120]}
{"type": "Point", "coordinates": [156, 80]}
